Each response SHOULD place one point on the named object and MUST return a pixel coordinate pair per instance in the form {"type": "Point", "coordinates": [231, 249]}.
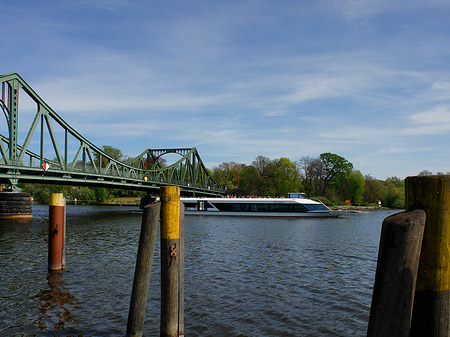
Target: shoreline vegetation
{"type": "Point", "coordinates": [125, 201]}
{"type": "Point", "coordinates": [329, 178]}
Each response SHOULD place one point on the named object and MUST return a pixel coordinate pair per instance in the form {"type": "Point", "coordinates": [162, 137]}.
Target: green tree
{"type": "Point", "coordinates": [264, 167]}
{"type": "Point", "coordinates": [100, 194]}
{"type": "Point", "coordinates": [283, 177]}
{"type": "Point", "coordinates": [41, 192]}
{"type": "Point", "coordinates": [228, 174]}
{"type": "Point", "coordinates": [373, 190]}
{"type": "Point", "coordinates": [311, 172]}
{"type": "Point", "coordinates": [261, 164]}
{"type": "Point", "coordinates": [219, 175]}
{"type": "Point", "coordinates": [355, 186]}
{"type": "Point", "coordinates": [394, 193]}
{"type": "Point", "coordinates": [335, 169]}
{"type": "Point", "coordinates": [111, 151]}
{"type": "Point", "coordinates": [85, 194]}
{"type": "Point", "coordinates": [250, 183]}
{"type": "Point", "coordinates": [399, 183]}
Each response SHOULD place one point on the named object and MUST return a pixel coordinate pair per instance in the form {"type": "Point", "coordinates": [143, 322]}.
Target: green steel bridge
{"type": "Point", "coordinates": [43, 148]}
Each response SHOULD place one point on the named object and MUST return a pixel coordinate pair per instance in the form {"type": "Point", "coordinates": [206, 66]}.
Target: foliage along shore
{"type": "Point", "coordinates": [329, 178]}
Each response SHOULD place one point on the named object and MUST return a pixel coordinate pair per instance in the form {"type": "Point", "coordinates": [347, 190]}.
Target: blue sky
{"type": "Point", "coordinates": [368, 80]}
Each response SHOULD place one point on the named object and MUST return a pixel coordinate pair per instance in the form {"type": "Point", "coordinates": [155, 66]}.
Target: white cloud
{"type": "Point", "coordinates": [401, 149]}
{"type": "Point", "coordinates": [432, 122]}
{"type": "Point", "coordinates": [353, 9]}
{"type": "Point", "coordinates": [356, 9]}
{"type": "Point", "coordinates": [441, 85]}
{"type": "Point", "coordinates": [435, 129]}
{"type": "Point", "coordinates": [439, 115]}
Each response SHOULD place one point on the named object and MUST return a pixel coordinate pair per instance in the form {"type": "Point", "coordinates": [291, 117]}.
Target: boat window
{"type": "Point", "coordinates": [262, 207]}
{"type": "Point", "coordinates": [316, 207]}
{"type": "Point", "coordinates": [190, 204]}
{"type": "Point", "coordinates": [297, 195]}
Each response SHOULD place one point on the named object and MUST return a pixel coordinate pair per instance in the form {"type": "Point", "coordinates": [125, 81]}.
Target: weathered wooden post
{"type": "Point", "coordinates": [395, 280]}
{"type": "Point", "coordinates": [181, 275]}
{"type": "Point", "coordinates": [56, 232]}
{"type": "Point", "coordinates": [431, 310]}
{"type": "Point", "coordinates": [144, 261]}
{"type": "Point", "coordinates": [170, 243]}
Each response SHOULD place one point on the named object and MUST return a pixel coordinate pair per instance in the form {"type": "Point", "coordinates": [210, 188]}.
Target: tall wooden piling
{"type": "Point", "coordinates": [56, 232]}
{"type": "Point", "coordinates": [395, 280]}
{"type": "Point", "coordinates": [144, 261]}
{"type": "Point", "coordinates": [181, 275]}
{"type": "Point", "coordinates": [170, 243]}
{"type": "Point", "coordinates": [431, 310]}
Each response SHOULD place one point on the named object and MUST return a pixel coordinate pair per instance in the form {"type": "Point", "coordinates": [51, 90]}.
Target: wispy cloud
{"type": "Point", "coordinates": [355, 9]}
{"type": "Point", "coordinates": [432, 122]}
{"type": "Point", "coordinates": [439, 115]}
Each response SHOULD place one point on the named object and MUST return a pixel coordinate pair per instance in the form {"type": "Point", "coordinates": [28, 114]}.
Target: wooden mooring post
{"type": "Point", "coordinates": [56, 232]}
{"type": "Point", "coordinates": [431, 312]}
{"type": "Point", "coordinates": [181, 275]}
{"type": "Point", "coordinates": [406, 303]}
{"type": "Point", "coordinates": [144, 261]}
{"type": "Point", "coordinates": [170, 260]}
{"type": "Point", "coordinates": [171, 211]}
{"type": "Point", "coordinates": [395, 280]}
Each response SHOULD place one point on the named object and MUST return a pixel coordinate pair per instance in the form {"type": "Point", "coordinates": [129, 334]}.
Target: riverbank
{"type": "Point", "coordinates": [352, 208]}
{"type": "Point", "coordinates": [134, 201]}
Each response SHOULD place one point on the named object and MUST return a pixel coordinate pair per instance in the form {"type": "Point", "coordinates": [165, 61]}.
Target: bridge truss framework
{"type": "Point", "coordinates": [48, 150]}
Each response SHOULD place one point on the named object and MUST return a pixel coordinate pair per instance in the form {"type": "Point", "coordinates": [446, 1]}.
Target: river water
{"type": "Point", "coordinates": [243, 276]}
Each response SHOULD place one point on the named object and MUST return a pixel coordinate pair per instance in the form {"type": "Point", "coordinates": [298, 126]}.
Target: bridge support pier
{"type": "Point", "coordinates": [15, 205]}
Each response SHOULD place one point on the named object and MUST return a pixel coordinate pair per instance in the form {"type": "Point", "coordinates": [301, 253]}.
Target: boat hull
{"type": "Point", "coordinates": [331, 214]}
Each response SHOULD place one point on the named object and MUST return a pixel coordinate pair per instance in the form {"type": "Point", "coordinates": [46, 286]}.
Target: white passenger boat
{"type": "Point", "coordinates": [296, 205]}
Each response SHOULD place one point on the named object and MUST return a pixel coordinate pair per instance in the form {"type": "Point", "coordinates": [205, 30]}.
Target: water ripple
{"type": "Point", "coordinates": [244, 277]}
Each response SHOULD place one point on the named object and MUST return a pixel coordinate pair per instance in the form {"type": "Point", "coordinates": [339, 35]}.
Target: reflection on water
{"type": "Point", "coordinates": [55, 304]}
{"type": "Point", "coordinates": [243, 277]}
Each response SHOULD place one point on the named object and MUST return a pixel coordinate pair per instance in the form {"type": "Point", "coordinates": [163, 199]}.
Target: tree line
{"type": "Point", "coordinates": [329, 177]}
{"type": "Point", "coordinates": [83, 194]}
